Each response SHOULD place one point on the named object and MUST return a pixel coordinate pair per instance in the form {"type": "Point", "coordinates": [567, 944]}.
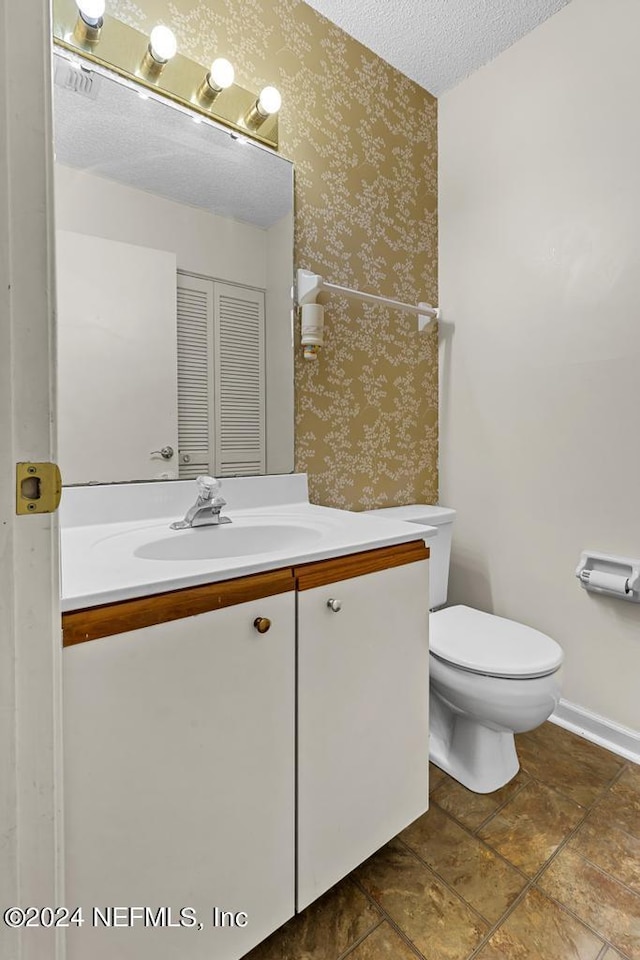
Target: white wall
{"type": "Point", "coordinates": [279, 348]}
{"type": "Point", "coordinates": [540, 277]}
{"type": "Point", "coordinates": [203, 242]}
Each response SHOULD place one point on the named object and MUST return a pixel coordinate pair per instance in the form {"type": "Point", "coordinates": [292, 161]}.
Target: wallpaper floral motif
{"type": "Point", "coordinates": [363, 140]}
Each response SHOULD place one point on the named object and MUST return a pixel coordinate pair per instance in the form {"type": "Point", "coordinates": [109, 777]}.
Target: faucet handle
{"type": "Point", "coordinates": [208, 487]}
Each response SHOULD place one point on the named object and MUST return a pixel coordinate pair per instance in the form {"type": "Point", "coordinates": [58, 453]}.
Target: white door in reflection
{"type": "Point", "coordinates": [117, 377]}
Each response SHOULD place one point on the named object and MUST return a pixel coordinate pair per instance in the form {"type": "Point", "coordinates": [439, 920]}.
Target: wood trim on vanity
{"type": "Point", "coordinates": [322, 572]}
{"type": "Point", "coordinates": [93, 623]}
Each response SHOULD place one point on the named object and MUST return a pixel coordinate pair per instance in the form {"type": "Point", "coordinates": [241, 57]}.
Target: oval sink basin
{"type": "Point", "coordinates": [215, 543]}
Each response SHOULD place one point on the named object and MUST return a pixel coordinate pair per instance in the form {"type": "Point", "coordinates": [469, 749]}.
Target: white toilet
{"type": "Point", "coordinates": [490, 677]}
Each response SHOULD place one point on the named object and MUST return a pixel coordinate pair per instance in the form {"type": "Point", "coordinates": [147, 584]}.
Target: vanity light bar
{"type": "Point", "coordinates": [81, 26]}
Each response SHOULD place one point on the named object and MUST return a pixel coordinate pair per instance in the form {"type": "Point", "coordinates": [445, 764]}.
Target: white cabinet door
{"type": "Point", "coordinates": [179, 781]}
{"type": "Point", "coordinates": [362, 719]}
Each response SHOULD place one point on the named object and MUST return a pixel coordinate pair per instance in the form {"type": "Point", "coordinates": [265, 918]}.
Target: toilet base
{"type": "Point", "coordinates": [473, 718]}
{"type": "Point", "coordinates": [481, 759]}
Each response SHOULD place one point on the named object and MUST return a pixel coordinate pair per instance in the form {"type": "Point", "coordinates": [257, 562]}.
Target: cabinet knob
{"type": "Point", "coordinates": [334, 605]}
{"type": "Point", "coordinates": [262, 624]}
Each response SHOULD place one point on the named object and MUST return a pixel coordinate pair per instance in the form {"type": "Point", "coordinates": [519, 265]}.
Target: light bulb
{"type": "Point", "coordinates": [91, 11]}
{"type": "Point", "coordinates": [267, 104]}
{"type": "Point", "coordinates": [162, 44]}
{"type": "Point", "coordinates": [221, 74]}
{"type": "Point", "coordinates": [269, 101]}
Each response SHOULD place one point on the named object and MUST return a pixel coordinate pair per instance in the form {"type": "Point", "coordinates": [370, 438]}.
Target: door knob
{"type": "Point", "coordinates": [334, 605]}
{"type": "Point", "coordinates": [166, 453]}
{"type": "Point", "coordinates": [262, 624]}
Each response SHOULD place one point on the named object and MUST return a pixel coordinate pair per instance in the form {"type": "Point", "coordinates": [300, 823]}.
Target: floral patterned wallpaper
{"type": "Point", "coordinates": [363, 140]}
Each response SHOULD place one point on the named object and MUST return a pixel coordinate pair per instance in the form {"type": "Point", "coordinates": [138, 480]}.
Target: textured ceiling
{"type": "Point", "coordinates": [149, 145]}
{"type": "Point", "coordinates": [437, 42]}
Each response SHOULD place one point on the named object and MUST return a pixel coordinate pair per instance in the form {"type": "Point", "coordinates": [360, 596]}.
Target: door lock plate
{"type": "Point", "coordinates": [38, 488]}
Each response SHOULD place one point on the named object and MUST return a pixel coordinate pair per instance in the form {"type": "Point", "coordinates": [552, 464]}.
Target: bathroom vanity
{"type": "Point", "coordinates": [245, 707]}
{"type": "Point", "coordinates": [242, 733]}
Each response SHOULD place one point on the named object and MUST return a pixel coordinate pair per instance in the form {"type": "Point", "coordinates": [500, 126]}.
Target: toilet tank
{"type": "Point", "coordinates": [440, 546]}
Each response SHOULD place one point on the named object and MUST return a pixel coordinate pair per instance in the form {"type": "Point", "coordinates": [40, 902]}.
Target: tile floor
{"type": "Point", "coordinates": [548, 868]}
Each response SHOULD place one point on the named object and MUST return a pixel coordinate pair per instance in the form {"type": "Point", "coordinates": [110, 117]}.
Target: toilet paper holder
{"type": "Point", "coordinates": [609, 575]}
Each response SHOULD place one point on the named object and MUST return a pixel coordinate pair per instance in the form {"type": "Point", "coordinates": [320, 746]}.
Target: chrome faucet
{"type": "Point", "coordinates": [206, 510]}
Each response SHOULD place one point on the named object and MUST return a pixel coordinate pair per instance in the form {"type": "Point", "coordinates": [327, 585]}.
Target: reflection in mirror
{"type": "Point", "coordinates": [174, 253]}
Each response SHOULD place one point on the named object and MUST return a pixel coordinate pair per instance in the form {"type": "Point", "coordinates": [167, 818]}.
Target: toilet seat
{"type": "Point", "coordinates": [493, 646]}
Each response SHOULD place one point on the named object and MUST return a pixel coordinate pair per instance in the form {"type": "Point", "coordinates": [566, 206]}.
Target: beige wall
{"type": "Point", "coordinates": [363, 139]}
{"type": "Point", "coordinates": [202, 241]}
{"type": "Point", "coordinates": [279, 399]}
{"type": "Point", "coordinates": [540, 213]}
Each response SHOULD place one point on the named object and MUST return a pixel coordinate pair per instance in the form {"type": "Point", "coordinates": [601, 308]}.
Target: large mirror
{"type": "Point", "coordinates": [174, 253]}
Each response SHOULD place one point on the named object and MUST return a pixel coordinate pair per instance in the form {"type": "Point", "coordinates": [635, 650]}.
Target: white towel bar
{"type": "Point", "coordinates": [311, 284]}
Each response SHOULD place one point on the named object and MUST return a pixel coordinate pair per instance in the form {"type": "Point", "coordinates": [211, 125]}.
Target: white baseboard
{"type": "Point", "coordinates": [606, 733]}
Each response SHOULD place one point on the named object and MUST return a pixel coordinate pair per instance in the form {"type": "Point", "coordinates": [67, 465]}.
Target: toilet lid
{"type": "Point", "coordinates": [483, 643]}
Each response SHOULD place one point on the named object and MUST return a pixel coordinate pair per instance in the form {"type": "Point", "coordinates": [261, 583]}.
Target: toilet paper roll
{"type": "Point", "coordinates": [612, 582]}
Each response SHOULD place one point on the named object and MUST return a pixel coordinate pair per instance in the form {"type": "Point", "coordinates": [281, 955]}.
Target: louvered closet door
{"type": "Point", "coordinates": [239, 375]}
{"type": "Point", "coordinates": [221, 378]}
{"type": "Point", "coordinates": [196, 413]}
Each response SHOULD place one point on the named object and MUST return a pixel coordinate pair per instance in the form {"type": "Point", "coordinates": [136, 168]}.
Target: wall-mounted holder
{"type": "Point", "coordinates": [609, 575]}
{"type": "Point", "coordinates": [310, 285]}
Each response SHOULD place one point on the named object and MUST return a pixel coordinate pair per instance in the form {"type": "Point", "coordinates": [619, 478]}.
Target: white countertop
{"type": "Point", "coordinates": [104, 562]}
